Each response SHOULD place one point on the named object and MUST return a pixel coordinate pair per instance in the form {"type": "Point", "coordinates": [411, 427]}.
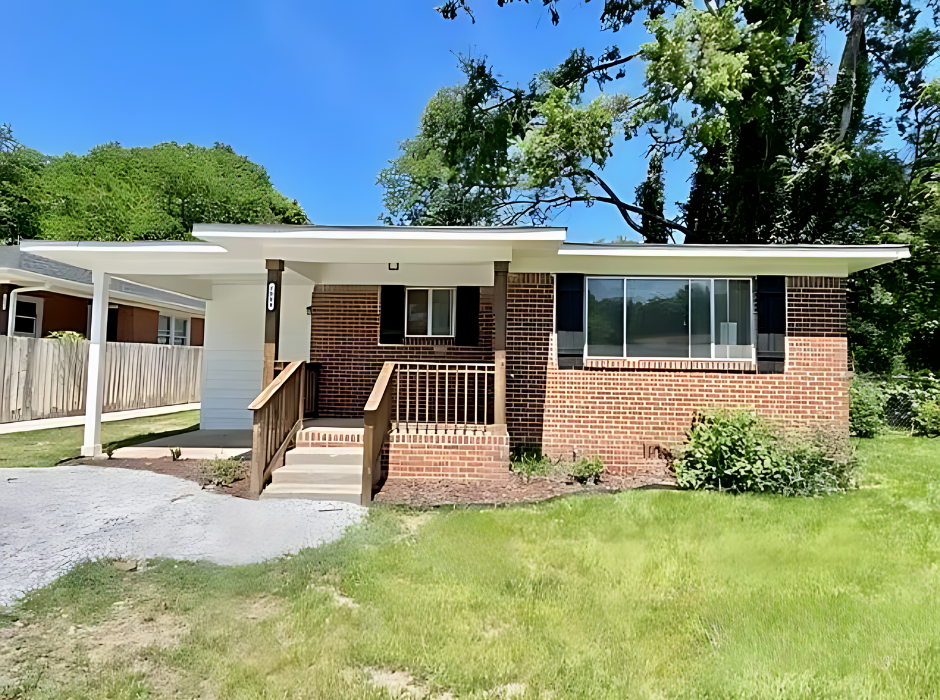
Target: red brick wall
{"type": "Point", "coordinates": [345, 341]}
{"type": "Point", "coordinates": [816, 307]}
{"type": "Point", "coordinates": [449, 456]}
{"type": "Point", "coordinates": [621, 416]}
{"type": "Point", "coordinates": [529, 329]}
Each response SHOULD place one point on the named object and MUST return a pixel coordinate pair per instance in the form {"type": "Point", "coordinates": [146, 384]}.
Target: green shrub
{"type": "Point", "coordinates": [586, 470]}
{"type": "Point", "coordinates": [223, 472]}
{"type": "Point", "coordinates": [69, 336]}
{"type": "Point", "coordinates": [737, 452]}
{"type": "Point", "coordinates": [531, 462]}
{"type": "Point", "coordinates": [866, 411]}
{"type": "Point", "coordinates": [927, 419]}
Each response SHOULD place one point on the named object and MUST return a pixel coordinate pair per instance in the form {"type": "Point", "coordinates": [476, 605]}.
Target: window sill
{"type": "Point", "coordinates": [671, 365]}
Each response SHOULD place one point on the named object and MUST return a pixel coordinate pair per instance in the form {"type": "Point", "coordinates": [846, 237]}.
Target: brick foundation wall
{"type": "Point", "coordinates": [345, 341]}
{"type": "Point", "coordinates": [529, 329]}
{"type": "Point", "coordinates": [484, 456]}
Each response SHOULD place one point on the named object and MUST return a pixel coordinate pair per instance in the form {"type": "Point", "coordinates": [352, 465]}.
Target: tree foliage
{"type": "Point", "coordinates": [784, 147]}
{"type": "Point", "coordinates": [116, 193]}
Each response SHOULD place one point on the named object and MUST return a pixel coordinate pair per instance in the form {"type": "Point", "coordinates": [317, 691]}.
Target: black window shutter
{"type": "Point", "coordinates": [392, 315]}
{"type": "Point", "coordinates": [771, 324]}
{"type": "Point", "coordinates": [467, 331]}
{"type": "Point", "coordinates": [569, 314]}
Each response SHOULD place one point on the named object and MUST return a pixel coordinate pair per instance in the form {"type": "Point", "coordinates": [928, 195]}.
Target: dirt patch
{"type": "Point", "coordinates": [190, 469]}
{"type": "Point", "coordinates": [262, 608]}
{"type": "Point", "coordinates": [61, 653]}
{"type": "Point", "coordinates": [514, 489]}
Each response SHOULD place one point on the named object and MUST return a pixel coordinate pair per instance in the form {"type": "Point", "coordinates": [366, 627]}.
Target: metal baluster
{"type": "Point", "coordinates": [466, 396]}
{"type": "Point", "coordinates": [486, 394]}
{"type": "Point", "coordinates": [476, 399]}
{"type": "Point", "coordinates": [446, 396]}
{"type": "Point", "coordinates": [437, 396]}
{"type": "Point", "coordinates": [427, 395]}
{"type": "Point", "coordinates": [397, 400]}
{"type": "Point", "coordinates": [408, 399]}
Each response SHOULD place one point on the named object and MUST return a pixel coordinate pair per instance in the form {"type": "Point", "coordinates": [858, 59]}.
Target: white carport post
{"type": "Point", "coordinates": [95, 391]}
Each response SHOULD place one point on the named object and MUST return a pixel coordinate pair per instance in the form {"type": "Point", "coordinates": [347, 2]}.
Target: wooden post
{"type": "Point", "coordinates": [500, 290]}
{"type": "Point", "coordinates": [272, 317]}
{"type": "Point", "coordinates": [94, 394]}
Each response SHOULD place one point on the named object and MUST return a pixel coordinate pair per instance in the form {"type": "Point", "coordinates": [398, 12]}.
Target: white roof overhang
{"type": "Point", "coordinates": [27, 278]}
{"type": "Point", "coordinates": [431, 255]}
{"type": "Point", "coordinates": [711, 260]}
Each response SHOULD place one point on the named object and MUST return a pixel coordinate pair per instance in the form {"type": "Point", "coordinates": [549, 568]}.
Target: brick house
{"type": "Point", "coordinates": [432, 352]}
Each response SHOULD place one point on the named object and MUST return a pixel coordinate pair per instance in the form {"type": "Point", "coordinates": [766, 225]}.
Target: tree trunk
{"type": "Point", "coordinates": [848, 68]}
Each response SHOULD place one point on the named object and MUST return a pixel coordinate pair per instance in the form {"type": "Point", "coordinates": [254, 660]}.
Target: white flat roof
{"type": "Point", "coordinates": [230, 251]}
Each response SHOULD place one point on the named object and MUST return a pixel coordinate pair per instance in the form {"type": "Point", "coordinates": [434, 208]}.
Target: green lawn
{"type": "Point", "coordinates": [646, 594]}
{"type": "Point", "coordinates": [46, 448]}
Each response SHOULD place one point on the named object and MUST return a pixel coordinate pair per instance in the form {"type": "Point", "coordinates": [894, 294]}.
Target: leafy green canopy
{"type": "Point", "coordinates": [115, 193]}
{"type": "Point", "coordinates": [783, 146]}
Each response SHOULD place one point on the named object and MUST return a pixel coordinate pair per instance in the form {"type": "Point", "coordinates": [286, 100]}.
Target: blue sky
{"type": "Point", "coordinates": [317, 91]}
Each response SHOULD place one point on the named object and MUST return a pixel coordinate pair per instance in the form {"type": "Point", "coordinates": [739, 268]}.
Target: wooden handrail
{"type": "Point", "coordinates": [272, 388]}
{"type": "Point", "coordinates": [376, 423]}
{"type": "Point", "coordinates": [278, 416]}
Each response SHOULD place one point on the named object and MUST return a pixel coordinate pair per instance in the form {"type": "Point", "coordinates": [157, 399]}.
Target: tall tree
{"type": "Point", "coordinates": [115, 193]}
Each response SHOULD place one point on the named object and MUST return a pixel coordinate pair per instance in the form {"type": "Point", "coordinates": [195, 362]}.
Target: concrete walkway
{"type": "Point", "coordinates": [66, 421]}
{"type": "Point", "coordinates": [52, 518]}
{"type": "Point", "coordinates": [197, 444]}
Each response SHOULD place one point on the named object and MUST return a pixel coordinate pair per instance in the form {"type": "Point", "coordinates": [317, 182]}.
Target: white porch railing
{"type": "Point", "coordinates": [435, 397]}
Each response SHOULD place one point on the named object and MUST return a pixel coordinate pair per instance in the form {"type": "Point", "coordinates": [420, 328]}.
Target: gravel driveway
{"type": "Point", "coordinates": [52, 518]}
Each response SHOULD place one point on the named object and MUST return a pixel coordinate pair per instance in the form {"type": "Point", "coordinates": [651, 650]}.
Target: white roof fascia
{"type": "Point", "coordinates": [745, 260]}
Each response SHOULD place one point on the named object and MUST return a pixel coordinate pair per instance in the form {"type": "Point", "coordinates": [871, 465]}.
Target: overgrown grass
{"type": "Point", "coordinates": [644, 594]}
{"type": "Point", "coordinates": [46, 448]}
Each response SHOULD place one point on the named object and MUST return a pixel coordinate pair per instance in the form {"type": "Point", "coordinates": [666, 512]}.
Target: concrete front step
{"type": "Point", "coordinates": [319, 473]}
{"type": "Point", "coordinates": [333, 456]}
{"type": "Point", "coordinates": [312, 492]}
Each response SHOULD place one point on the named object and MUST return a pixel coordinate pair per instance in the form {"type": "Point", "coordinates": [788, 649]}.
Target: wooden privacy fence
{"type": "Point", "coordinates": [43, 378]}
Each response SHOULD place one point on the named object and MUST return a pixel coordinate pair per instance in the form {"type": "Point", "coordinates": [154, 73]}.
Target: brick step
{"type": "Point", "coordinates": [313, 437]}
{"type": "Point", "coordinates": [312, 492]}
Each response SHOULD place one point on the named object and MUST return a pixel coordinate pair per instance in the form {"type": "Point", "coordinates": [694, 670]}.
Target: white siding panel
{"type": "Point", "coordinates": [234, 355]}
{"type": "Point", "coordinates": [295, 323]}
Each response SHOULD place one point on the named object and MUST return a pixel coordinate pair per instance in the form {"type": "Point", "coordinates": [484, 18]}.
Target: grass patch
{"type": "Point", "coordinates": [643, 594]}
{"type": "Point", "coordinates": [46, 448]}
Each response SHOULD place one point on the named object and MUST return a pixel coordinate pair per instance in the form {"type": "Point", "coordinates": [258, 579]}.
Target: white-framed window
{"type": "Point", "coordinates": [27, 322]}
{"type": "Point", "coordinates": [429, 311]}
{"type": "Point", "coordinates": [173, 330]}
{"type": "Point", "coordinates": [669, 317]}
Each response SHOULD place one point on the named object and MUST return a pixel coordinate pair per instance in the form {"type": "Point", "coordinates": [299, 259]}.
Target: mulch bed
{"type": "Point", "coordinates": [184, 469]}
{"type": "Point", "coordinates": [514, 489]}
{"type": "Point", "coordinates": [422, 493]}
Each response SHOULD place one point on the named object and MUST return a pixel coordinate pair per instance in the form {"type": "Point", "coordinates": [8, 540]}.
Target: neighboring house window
{"type": "Point", "coordinates": [172, 330]}
{"type": "Point", "coordinates": [429, 312]}
{"type": "Point", "coordinates": [28, 320]}
{"type": "Point", "coordinates": [669, 318]}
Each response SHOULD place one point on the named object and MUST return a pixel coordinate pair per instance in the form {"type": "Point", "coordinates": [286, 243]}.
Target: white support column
{"type": "Point", "coordinates": [95, 392]}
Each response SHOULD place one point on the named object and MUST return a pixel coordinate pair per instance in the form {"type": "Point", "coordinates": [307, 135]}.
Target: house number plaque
{"type": "Point", "coordinates": [271, 293]}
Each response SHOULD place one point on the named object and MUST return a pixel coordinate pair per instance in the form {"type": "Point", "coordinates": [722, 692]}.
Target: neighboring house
{"type": "Point", "coordinates": [39, 296]}
{"type": "Point", "coordinates": [455, 344]}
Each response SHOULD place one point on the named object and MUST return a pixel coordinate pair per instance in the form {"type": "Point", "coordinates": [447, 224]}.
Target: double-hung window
{"type": "Point", "coordinates": [654, 318]}
{"type": "Point", "coordinates": [429, 312]}
{"type": "Point", "coordinates": [172, 330]}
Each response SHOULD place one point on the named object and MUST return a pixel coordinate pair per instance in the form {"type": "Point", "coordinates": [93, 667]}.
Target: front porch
{"type": "Point", "coordinates": [422, 420]}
